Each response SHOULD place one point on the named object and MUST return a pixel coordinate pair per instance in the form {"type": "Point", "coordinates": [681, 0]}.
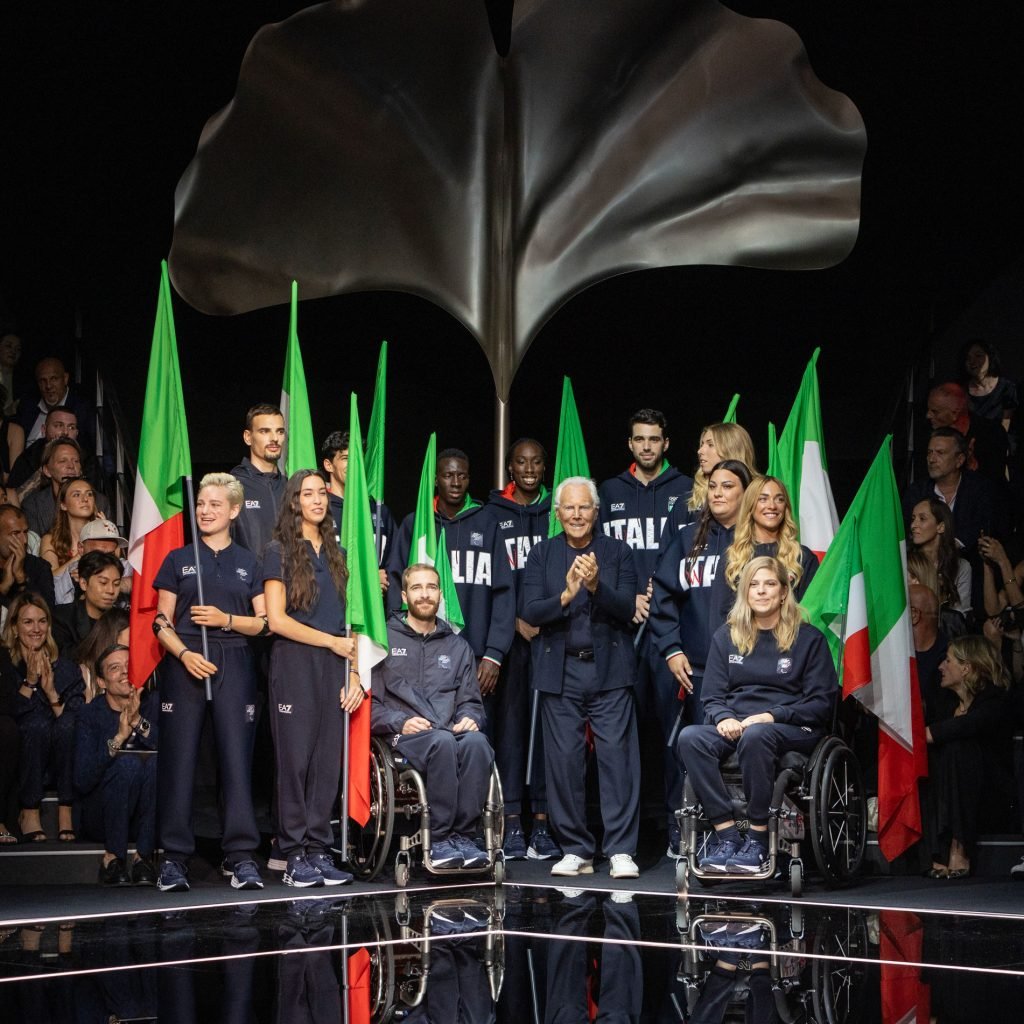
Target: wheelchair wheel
{"type": "Point", "coordinates": [839, 969]}
{"type": "Point", "coordinates": [837, 812]}
{"type": "Point", "coordinates": [368, 844]}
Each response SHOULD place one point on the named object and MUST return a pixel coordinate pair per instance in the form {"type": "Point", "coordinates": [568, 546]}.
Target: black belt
{"type": "Point", "coordinates": [587, 655]}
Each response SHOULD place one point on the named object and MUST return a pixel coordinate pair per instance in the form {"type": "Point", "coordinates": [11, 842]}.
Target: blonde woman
{"type": "Point", "coordinates": [718, 442]}
{"type": "Point", "coordinates": [769, 688]}
{"type": "Point", "coordinates": [969, 755]}
{"type": "Point", "coordinates": [766, 527]}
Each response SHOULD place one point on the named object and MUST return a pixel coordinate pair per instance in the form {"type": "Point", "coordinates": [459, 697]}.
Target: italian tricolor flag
{"type": "Point", "coordinates": [299, 446]}
{"type": "Point", "coordinates": [858, 598]}
{"type": "Point", "coordinates": [798, 459]}
{"type": "Point", "coordinates": [364, 612]}
{"type": "Point", "coordinates": [157, 526]}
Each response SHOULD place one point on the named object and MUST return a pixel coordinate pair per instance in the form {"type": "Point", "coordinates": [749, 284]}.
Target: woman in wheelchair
{"type": "Point", "coordinates": [769, 688]}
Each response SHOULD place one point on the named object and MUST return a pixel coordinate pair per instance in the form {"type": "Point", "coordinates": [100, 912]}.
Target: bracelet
{"type": "Point", "coordinates": [183, 652]}
{"type": "Point", "coordinates": [227, 628]}
{"type": "Point", "coordinates": [54, 703]}
{"type": "Point", "coordinates": [113, 746]}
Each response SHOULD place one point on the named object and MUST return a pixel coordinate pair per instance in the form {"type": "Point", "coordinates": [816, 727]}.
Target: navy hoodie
{"type": "Point", "coordinates": [254, 527]}
{"type": "Point", "coordinates": [481, 573]}
{"type": "Point", "coordinates": [691, 601]}
{"type": "Point", "coordinates": [636, 513]}
{"type": "Point", "coordinates": [520, 527]}
{"type": "Point", "coordinates": [387, 524]}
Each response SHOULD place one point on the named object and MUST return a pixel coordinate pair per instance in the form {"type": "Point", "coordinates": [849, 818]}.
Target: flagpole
{"type": "Point", "coordinates": [345, 980]}
{"type": "Point", "coordinates": [533, 733]}
{"type": "Point", "coordinates": [196, 541]}
{"type": "Point", "coordinates": [376, 535]}
{"type": "Point", "coordinates": [344, 763]}
{"type": "Point", "coordinates": [501, 431]}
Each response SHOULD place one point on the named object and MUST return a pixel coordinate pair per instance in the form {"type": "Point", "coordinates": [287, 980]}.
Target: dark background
{"type": "Point", "coordinates": [102, 108]}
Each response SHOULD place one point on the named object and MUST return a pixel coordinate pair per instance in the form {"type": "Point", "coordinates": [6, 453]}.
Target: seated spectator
{"type": "Point", "coordinates": [97, 535]}
{"type": "Point", "coordinates": [108, 630]}
{"type": "Point", "coordinates": [49, 696]}
{"type": "Point", "coordinates": [60, 423]}
{"type": "Point", "coordinates": [100, 577]}
{"type": "Point", "coordinates": [76, 506]}
{"type": "Point", "coordinates": [930, 644]}
{"type": "Point", "coordinates": [53, 390]}
{"type": "Point", "coordinates": [1004, 604]}
{"type": "Point", "coordinates": [987, 445]}
{"type": "Point", "coordinates": [61, 461]}
{"type": "Point", "coordinates": [931, 533]}
{"type": "Point", "coordinates": [20, 571]}
{"type": "Point", "coordinates": [427, 700]}
{"type": "Point", "coordinates": [989, 394]}
{"type": "Point", "coordinates": [921, 570]}
{"type": "Point", "coordinates": [115, 771]}
{"type": "Point", "coordinates": [968, 756]}
{"type": "Point", "coordinates": [759, 705]}
{"type": "Point", "coordinates": [10, 355]}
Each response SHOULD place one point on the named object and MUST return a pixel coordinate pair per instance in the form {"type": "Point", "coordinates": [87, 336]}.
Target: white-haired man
{"type": "Point", "coordinates": [580, 590]}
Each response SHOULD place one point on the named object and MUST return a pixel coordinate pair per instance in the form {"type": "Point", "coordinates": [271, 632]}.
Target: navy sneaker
{"type": "Point", "coordinates": [674, 838]}
{"type": "Point", "coordinates": [445, 854]}
{"type": "Point", "coordinates": [515, 844]}
{"type": "Point", "coordinates": [472, 855]}
{"type": "Point", "coordinates": [244, 875]}
{"type": "Point", "coordinates": [301, 874]}
{"type": "Point", "coordinates": [717, 856]}
{"type": "Point", "coordinates": [542, 846]}
{"type": "Point", "coordinates": [173, 877]}
{"type": "Point", "coordinates": [332, 874]}
{"type": "Point", "coordinates": [749, 858]}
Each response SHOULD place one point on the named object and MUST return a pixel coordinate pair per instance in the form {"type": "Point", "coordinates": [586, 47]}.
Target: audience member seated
{"type": "Point", "coordinates": [20, 571]}
{"type": "Point", "coordinates": [10, 356]}
{"type": "Point", "coordinates": [53, 390]}
{"type": "Point", "coordinates": [969, 757]}
{"type": "Point", "coordinates": [60, 423]}
{"type": "Point", "coordinates": [100, 577]}
{"type": "Point", "coordinates": [931, 533]}
{"type": "Point", "coordinates": [115, 771]}
{"type": "Point", "coordinates": [930, 644]}
{"type": "Point", "coordinates": [921, 570]}
{"type": "Point", "coordinates": [49, 696]}
{"type": "Point", "coordinates": [111, 628]}
{"type": "Point", "coordinates": [426, 700]}
{"type": "Point", "coordinates": [769, 688]}
{"type": "Point", "coordinates": [76, 506]}
{"type": "Point", "coordinates": [989, 394]}
{"type": "Point", "coordinates": [61, 462]}
{"type": "Point", "coordinates": [97, 535]}
{"type": "Point", "coordinates": [1004, 604]}
{"type": "Point", "coordinates": [987, 445]}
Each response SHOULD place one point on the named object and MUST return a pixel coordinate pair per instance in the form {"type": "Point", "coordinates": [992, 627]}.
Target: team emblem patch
{"type": "Point", "coordinates": [735, 659]}
{"type": "Point", "coordinates": [618, 506]}
{"type": "Point", "coordinates": [250, 503]}
{"type": "Point", "coordinates": [443, 661]}
{"type": "Point", "coordinates": [476, 540]}
{"type": "Point", "coordinates": [188, 570]}
{"type": "Point", "coordinates": [250, 713]}
{"type": "Point", "coordinates": [284, 709]}
{"type": "Point", "coordinates": [785, 664]}
{"type": "Point", "coordinates": [672, 502]}
{"type": "Point", "coordinates": [243, 574]}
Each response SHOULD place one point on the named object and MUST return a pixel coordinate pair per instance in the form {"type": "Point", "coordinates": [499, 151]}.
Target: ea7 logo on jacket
{"type": "Point", "coordinates": [735, 659]}
{"type": "Point", "coordinates": [399, 652]}
{"type": "Point", "coordinates": [506, 524]}
{"type": "Point", "coordinates": [284, 709]}
{"type": "Point", "coordinates": [251, 503]}
{"type": "Point", "coordinates": [617, 506]}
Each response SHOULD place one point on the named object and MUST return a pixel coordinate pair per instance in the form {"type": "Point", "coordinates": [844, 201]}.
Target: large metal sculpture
{"type": "Point", "coordinates": [384, 144]}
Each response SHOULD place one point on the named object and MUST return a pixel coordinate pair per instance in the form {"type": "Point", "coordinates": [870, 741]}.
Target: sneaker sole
{"type": "Point", "coordinates": [586, 869]}
{"type": "Point", "coordinates": [174, 887]}
{"type": "Point", "coordinates": [743, 869]}
{"type": "Point", "coordinates": [624, 874]}
{"type": "Point", "coordinates": [336, 881]}
{"type": "Point", "coordinates": [532, 854]}
{"type": "Point", "coordinates": [236, 884]}
{"type": "Point", "coordinates": [312, 884]}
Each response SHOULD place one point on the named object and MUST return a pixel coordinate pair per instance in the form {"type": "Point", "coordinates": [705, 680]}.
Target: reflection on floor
{"type": "Point", "coordinates": [519, 953]}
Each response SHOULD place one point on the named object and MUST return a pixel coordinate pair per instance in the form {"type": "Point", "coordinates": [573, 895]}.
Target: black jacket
{"type": "Point", "coordinates": [255, 524]}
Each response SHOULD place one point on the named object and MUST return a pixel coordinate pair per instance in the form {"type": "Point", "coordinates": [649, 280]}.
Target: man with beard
{"type": "Point", "coordinates": [262, 481]}
{"type": "Point", "coordinates": [427, 701]}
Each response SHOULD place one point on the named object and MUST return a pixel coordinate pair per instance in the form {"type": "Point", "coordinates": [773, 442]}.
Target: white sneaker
{"type": "Point", "coordinates": [570, 866]}
{"type": "Point", "coordinates": [623, 866]}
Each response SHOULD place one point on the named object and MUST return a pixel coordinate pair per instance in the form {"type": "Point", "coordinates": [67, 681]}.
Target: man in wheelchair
{"type": "Point", "coordinates": [426, 699]}
{"type": "Point", "coordinates": [769, 688]}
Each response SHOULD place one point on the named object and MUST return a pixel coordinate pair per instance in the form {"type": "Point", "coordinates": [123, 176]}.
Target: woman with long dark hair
{"type": "Point", "coordinates": [990, 394]}
{"type": "Point", "coordinates": [690, 596]}
{"type": "Point", "coordinates": [313, 677]}
{"type": "Point", "coordinates": [76, 506]}
{"type": "Point", "coordinates": [931, 532]}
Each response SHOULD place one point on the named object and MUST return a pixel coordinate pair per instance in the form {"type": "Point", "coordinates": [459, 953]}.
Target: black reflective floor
{"type": "Point", "coordinates": [521, 953]}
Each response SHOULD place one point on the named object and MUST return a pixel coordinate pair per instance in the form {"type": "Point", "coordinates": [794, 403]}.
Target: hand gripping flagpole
{"type": "Point", "coordinates": [196, 541]}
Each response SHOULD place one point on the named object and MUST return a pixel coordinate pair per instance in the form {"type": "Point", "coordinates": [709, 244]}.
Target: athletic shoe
{"type": "Point", "coordinates": [717, 856]}
{"type": "Point", "coordinates": [143, 872]}
{"type": "Point", "coordinates": [542, 846]}
{"type": "Point", "coordinates": [1017, 871]}
{"type": "Point", "coordinates": [749, 858]}
{"type": "Point", "coordinates": [623, 866]}
{"type": "Point", "coordinates": [622, 896]}
{"type": "Point", "coordinates": [472, 855]}
{"type": "Point", "coordinates": [114, 873]}
{"type": "Point", "coordinates": [515, 844]}
{"type": "Point", "coordinates": [244, 875]}
{"type": "Point", "coordinates": [674, 838]}
{"type": "Point", "coordinates": [332, 874]}
{"type": "Point", "coordinates": [301, 874]}
{"type": "Point", "coordinates": [445, 854]}
{"type": "Point", "coordinates": [277, 860]}
{"type": "Point", "coordinates": [570, 866]}
{"type": "Point", "coordinates": [173, 877]}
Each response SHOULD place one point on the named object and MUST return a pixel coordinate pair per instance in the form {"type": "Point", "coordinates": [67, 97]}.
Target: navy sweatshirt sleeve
{"type": "Point", "coordinates": [467, 700]}
{"type": "Point", "coordinates": [670, 591]}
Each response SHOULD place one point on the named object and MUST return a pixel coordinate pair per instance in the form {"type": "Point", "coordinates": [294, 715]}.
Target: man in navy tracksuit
{"type": "Point", "coordinates": [521, 512]}
{"type": "Point", "coordinates": [580, 589]}
{"type": "Point", "coordinates": [480, 569]}
{"type": "Point", "coordinates": [263, 482]}
{"type": "Point", "coordinates": [635, 506]}
{"type": "Point", "coordinates": [426, 699]}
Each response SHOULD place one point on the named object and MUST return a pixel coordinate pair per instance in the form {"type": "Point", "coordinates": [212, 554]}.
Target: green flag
{"type": "Point", "coordinates": [375, 431]}
{"type": "Point", "coordinates": [730, 413]}
{"type": "Point", "coordinates": [773, 451]}
{"type": "Point", "coordinates": [300, 449]}
{"type": "Point", "coordinates": [427, 548]}
{"type": "Point", "coordinates": [571, 454]}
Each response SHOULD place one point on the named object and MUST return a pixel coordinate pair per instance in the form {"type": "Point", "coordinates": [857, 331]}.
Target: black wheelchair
{"type": "Point", "coordinates": [399, 808]}
{"type": "Point", "coordinates": [820, 797]}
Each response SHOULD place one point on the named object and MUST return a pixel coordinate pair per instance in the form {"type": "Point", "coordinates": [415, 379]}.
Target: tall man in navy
{"type": "Point", "coordinates": [426, 699]}
{"type": "Point", "coordinates": [635, 506]}
{"type": "Point", "coordinates": [263, 482]}
{"type": "Point", "coordinates": [581, 592]}
{"type": "Point", "coordinates": [480, 570]}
